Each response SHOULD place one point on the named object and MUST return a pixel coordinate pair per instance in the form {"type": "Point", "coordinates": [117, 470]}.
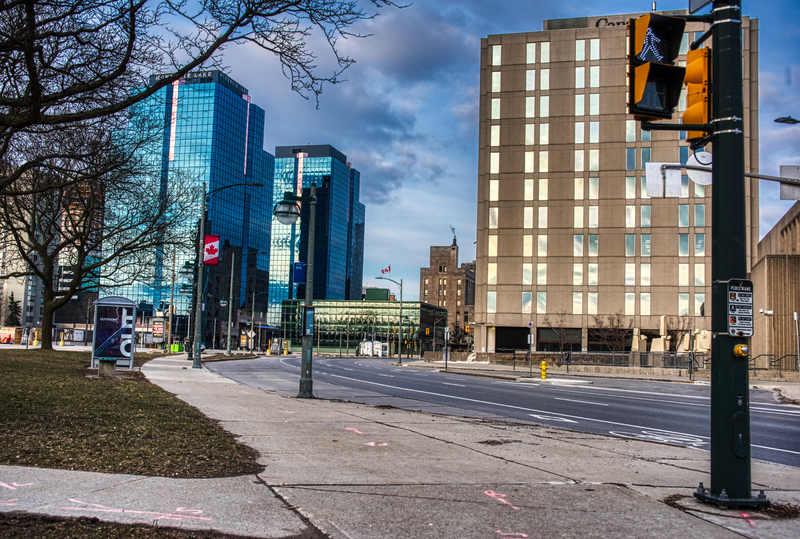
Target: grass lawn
{"type": "Point", "coordinates": [53, 416]}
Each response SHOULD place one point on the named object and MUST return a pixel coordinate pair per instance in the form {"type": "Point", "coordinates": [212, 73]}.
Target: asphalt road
{"type": "Point", "coordinates": [668, 412]}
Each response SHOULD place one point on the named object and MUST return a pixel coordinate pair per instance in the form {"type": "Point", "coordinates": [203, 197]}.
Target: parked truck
{"type": "Point", "coordinates": [374, 349]}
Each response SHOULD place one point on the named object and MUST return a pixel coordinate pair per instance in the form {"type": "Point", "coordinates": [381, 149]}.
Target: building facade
{"type": "Point", "coordinates": [339, 227]}
{"type": "Point", "coordinates": [568, 240]}
{"type": "Point", "coordinates": [444, 284]}
{"type": "Point", "coordinates": [213, 137]}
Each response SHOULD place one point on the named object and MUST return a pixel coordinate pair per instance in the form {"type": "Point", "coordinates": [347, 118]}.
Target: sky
{"type": "Point", "coordinates": [407, 115]}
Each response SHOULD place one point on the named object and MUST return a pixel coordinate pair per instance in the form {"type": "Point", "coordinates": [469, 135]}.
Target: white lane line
{"type": "Point", "coordinates": [582, 402]}
{"type": "Point", "coordinates": [457, 385]}
{"type": "Point", "coordinates": [776, 449]}
{"type": "Point", "coordinates": [385, 375]}
{"type": "Point", "coordinates": [659, 401]}
{"type": "Point", "coordinates": [651, 393]}
{"type": "Point", "coordinates": [351, 370]}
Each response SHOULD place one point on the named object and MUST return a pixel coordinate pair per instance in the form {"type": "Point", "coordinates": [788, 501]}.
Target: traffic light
{"type": "Point", "coordinates": [427, 331]}
{"type": "Point", "coordinates": [654, 81]}
{"type": "Point", "coordinates": [698, 91]}
{"type": "Point", "coordinates": [466, 329]}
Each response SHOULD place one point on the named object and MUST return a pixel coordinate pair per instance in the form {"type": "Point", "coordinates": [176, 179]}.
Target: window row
{"type": "Point", "coordinates": [591, 303]}
{"type": "Point", "coordinates": [592, 245]}
{"type": "Point", "coordinates": [544, 106]}
{"type": "Point", "coordinates": [581, 46]}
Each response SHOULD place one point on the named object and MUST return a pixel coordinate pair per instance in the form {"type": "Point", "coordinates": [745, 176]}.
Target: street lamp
{"type": "Point", "coordinates": [287, 211]}
{"type": "Point", "coordinates": [787, 120]}
{"type": "Point", "coordinates": [400, 333]}
{"type": "Point", "coordinates": [198, 314]}
{"type": "Point", "coordinates": [230, 296]}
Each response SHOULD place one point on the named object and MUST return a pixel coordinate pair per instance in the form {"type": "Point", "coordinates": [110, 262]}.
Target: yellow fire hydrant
{"type": "Point", "coordinates": [285, 348]}
{"type": "Point", "coordinates": [543, 366]}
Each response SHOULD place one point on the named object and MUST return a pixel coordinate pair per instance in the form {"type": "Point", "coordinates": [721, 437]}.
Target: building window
{"type": "Point", "coordinates": [580, 77]}
{"type": "Point", "coordinates": [630, 130]}
{"type": "Point", "coordinates": [645, 157]}
{"type": "Point", "coordinates": [630, 244]}
{"type": "Point", "coordinates": [594, 216]}
{"type": "Point", "coordinates": [644, 274]}
{"type": "Point", "coordinates": [544, 79]}
{"type": "Point", "coordinates": [545, 52]}
{"type": "Point", "coordinates": [491, 274]}
{"type": "Point", "coordinates": [543, 189]}
{"type": "Point", "coordinates": [683, 244]}
{"type": "Point", "coordinates": [541, 274]}
{"type": "Point", "coordinates": [630, 304]}
{"type": "Point", "coordinates": [592, 275]}
{"type": "Point", "coordinates": [579, 165]}
{"type": "Point", "coordinates": [699, 190]}
{"type": "Point", "coordinates": [699, 245]}
{"type": "Point", "coordinates": [579, 105]}
{"type": "Point", "coordinates": [577, 245]}
{"type": "Point", "coordinates": [542, 245]}
{"type": "Point", "coordinates": [527, 217]}
{"type": "Point", "coordinates": [594, 77]}
{"type": "Point", "coordinates": [495, 109]}
{"type": "Point", "coordinates": [491, 301]}
{"type": "Point", "coordinates": [526, 302]}
{"type": "Point", "coordinates": [577, 274]}
{"type": "Point", "coordinates": [594, 132]}
{"type": "Point", "coordinates": [492, 251]}
{"type": "Point", "coordinates": [594, 104]}
{"type": "Point", "coordinates": [494, 187]}
{"type": "Point", "coordinates": [577, 303]}
{"type": "Point", "coordinates": [530, 56]}
{"type": "Point", "coordinates": [630, 159]}
{"type": "Point", "coordinates": [493, 217]}
{"type": "Point", "coordinates": [496, 55]}
{"type": "Point", "coordinates": [579, 132]}
{"type": "Point", "coordinates": [591, 303]}
{"type": "Point", "coordinates": [683, 274]}
{"type": "Point", "coordinates": [529, 162]}
{"type": "Point", "coordinates": [544, 106]}
{"type": "Point", "coordinates": [593, 248]}
{"type": "Point", "coordinates": [530, 134]}
{"type": "Point", "coordinates": [578, 188]}
{"type": "Point", "coordinates": [630, 216]}
{"type": "Point", "coordinates": [496, 81]}
{"type": "Point", "coordinates": [644, 187]}
{"type": "Point", "coordinates": [580, 50]}
{"type": "Point", "coordinates": [699, 274]}
{"type": "Point", "coordinates": [530, 80]}
{"type": "Point", "coordinates": [543, 217]}
{"type": "Point", "coordinates": [494, 137]}
{"type": "Point", "coordinates": [644, 304]}
{"type": "Point", "coordinates": [544, 133]}
{"type": "Point", "coordinates": [684, 186]}
{"type": "Point", "coordinates": [594, 188]}
{"type": "Point", "coordinates": [683, 304]}
{"type": "Point", "coordinates": [594, 49]}
{"type": "Point", "coordinates": [645, 244]}
{"type": "Point", "coordinates": [527, 274]}
{"type": "Point", "coordinates": [527, 245]}
{"type": "Point", "coordinates": [699, 215]}
{"type": "Point", "coordinates": [645, 217]}
{"type": "Point", "coordinates": [594, 160]}
{"type": "Point", "coordinates": [541, 302]}
{"type": "Point", "coordinates": [577, 219]}
{"type": "Point", "coordinates": [630, 274]}
{"type": "Point", "coordinates": [530, 107]}
{"type": "Point", "coordinates": [699, 304]}
{"type": "Point", "coordinates": [683, 215]}
{"type": "Point", "coordinates": [494, 163]}
{"type": "Point", "coordinates": [528, 190]}
{"type": "Point", "coordinates": [544, 162]}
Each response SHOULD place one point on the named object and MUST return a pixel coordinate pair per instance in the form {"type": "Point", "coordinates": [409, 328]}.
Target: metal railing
{"type": "Point", "coordinates": [667, 360]}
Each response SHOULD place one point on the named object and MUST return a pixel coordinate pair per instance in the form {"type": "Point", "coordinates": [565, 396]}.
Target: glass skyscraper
{"type": "Point", "coordinates": [213, 135]}
{"type": "Point", "coordinates": [339, 237]}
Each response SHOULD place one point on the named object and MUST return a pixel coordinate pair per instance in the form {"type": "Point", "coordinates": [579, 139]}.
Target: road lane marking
{"type": "Point", "coordinates": [457, 385]}
{"type": "Point", "coordinates": [582, 402]}
{"type": "Point", "coordinates": [386, 375]}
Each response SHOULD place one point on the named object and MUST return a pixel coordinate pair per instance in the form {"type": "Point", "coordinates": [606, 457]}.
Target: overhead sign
{"type": "Point", "coordinates": [790, 192]}
{"type": "Point", "coordinates": [740, 308]}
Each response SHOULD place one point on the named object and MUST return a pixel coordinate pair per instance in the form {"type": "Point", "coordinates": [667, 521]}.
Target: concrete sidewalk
{"type": "Point", "coordinates": [356, 471]}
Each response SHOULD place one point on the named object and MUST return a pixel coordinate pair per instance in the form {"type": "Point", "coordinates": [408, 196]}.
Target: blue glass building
{"type": "Point", "coordinates": [339, 237]}
{"type": "Point", "coordinates": [213, 135]}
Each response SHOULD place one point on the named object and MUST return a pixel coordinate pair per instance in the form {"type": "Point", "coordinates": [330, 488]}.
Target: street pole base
{"type": "Point", "coordinates": [722, 499]}
{"type": "Point", "coordinates": [306, 389]}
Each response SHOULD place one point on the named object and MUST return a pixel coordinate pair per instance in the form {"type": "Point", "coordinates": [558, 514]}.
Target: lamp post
{"type": "Point", "coordinates": [253, 317]}
{"type": "Point", "coordinates": [198, 309]}
{"type": "Point", "coordinates": [230, 296]}
{"type": "Point", "coordinates": [287, 212]}
{"type": "Point", "coordinates": [400, 333]}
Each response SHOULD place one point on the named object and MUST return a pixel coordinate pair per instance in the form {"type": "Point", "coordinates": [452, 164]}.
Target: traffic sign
{"type": "Point", "coordinates": [740, 308]}
{"type": "Point", "coordinates": [530, 324]}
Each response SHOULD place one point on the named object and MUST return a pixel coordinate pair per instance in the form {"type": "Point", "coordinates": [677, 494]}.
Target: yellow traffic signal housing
{"type": "Point", "coordinates": [698, 91]}
{"type": "Point", "coordinates": [654, 81]}
{"type": "Point", "coordinates": [427, 331]}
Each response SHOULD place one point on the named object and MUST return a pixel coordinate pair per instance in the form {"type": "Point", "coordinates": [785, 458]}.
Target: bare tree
{"type": "Point", "coordinates": [612, 331]}
{"type": "Point", "coordinates": [112, 230]}
{"type": "Point", "coordinates": [677, 328]}
{"type": "Point", "coordinates": [66, 64]}
{"type": "Point", "coordinates": [558, 323]}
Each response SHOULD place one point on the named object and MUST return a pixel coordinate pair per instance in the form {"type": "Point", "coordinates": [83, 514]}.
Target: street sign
{"type": "Point", "coordinates": [740, 308]}
{"type": "Point", "coordinates": [790, 192]}
{"type": "Point", "coordinates": [530, 324]}
{"type": "Point", "coordinates": [697, 5]}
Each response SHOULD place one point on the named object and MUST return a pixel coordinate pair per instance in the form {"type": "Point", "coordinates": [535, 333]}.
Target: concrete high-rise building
{"type": "Point", "coordinates": [566, 233]}
{"type": "Point", "coordinates": [213, 135]}
{"type": "Point", "coordinates": [339, 227]}
{"type": "Point", "coordinates": [447, 285]}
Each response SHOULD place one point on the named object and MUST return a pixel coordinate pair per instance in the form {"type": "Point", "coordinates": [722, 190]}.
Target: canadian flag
{"type": "Point", "coordinates": [387, 270]}
{"type": "Point", "coordinates": [211, 251]}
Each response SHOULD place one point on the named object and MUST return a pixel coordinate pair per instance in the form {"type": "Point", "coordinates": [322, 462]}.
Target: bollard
{"type": "Point", "coordinates": [543, 366]}
{"type": "Point", "coordinates": [285, 348]}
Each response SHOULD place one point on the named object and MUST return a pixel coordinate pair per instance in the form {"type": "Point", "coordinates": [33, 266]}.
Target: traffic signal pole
{"type": "Point", "coordinates": [730, 389]}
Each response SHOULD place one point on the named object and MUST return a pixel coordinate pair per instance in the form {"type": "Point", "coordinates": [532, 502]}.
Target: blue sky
{"type": "Point", "coordinates": [407, 117]}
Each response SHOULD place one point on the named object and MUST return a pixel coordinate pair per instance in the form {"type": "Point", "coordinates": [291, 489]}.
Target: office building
{"type": "Point", "coordinates": [567, 236]}
{"type": "Point", "coordinates": [444, 284]}
{"type": "Point", "coordinates": [213, 137]}
{"type": "Point", "coordinates": [339, 227]}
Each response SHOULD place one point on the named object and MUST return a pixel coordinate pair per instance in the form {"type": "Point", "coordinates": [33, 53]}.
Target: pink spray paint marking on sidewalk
{"type": "Point", "coordinates": [103, 509]}
{"type": "Point", "coordinates": [354, 430]}
{"type": "Point", "coordinates": [13, 486]}
{"type": "Point", "coordinates": [499, 497]}
{"type": "Point", "coordinates": [9, 502]}
{"type": "Point", "coordinates": [373, 444]}
{"type": "Point", "coordinates": [746, 516]}
{"type": "Point", "coordinates": [512, 534]}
